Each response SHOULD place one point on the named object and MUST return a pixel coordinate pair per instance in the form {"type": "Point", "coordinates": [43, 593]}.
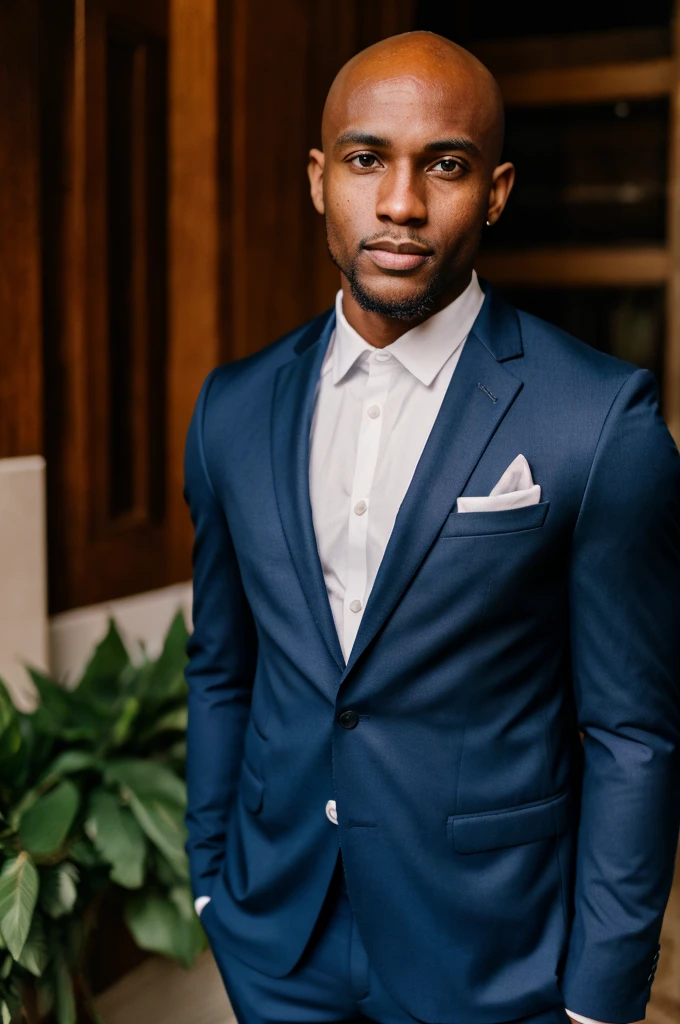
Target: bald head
{"type": "Point", "coordinates": [408, 175]}
{"type": "Point", "coordinates": [434, 65]}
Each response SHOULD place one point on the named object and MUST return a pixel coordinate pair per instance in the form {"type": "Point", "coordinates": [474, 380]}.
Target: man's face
{"type": "Point", "coordinates": [406, 174]}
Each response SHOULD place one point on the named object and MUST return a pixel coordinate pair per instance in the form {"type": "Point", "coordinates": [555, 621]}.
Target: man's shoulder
{"type": "Point", "coordinates": [554, 349]}
{"type": "Point", "coordinates": [549, 349]}
{"type": "Point", "coordinates": [254, 369]}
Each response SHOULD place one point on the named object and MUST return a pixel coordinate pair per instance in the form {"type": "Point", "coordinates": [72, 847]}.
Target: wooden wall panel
{"type": "Point", "coordinates": [21, 431]}
{"type": "Point", "coordinates": [196, 288]}
{"type": "Point", "coordinates": [104, 284]}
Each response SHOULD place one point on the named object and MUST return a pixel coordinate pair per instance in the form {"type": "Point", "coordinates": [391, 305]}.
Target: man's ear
{"type": "Point", "coordinates": [502, 180]}
{"type": "Point", "coordinates": [315, 172]}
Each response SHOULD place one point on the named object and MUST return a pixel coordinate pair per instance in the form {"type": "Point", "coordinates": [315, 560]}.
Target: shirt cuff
{"type": "Point", "coordinates": [201, 901]}
{"type": "Point", "coordinates": [583, 1020]}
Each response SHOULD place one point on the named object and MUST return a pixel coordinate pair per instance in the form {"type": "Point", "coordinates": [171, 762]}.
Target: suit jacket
{"type": "Point", "coordinates": [496, 865]}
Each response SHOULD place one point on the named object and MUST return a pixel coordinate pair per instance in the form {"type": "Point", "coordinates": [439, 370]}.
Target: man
{"type": "Point", "coordinates": [435, 539]}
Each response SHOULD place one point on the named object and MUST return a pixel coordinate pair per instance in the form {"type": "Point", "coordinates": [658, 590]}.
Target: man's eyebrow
{"type": "Point", "coordinates": [361, 139]}
{"type": "Point", "coordinates": [445, 145]}
{"type": "Point", "coordinates": [379, 142]}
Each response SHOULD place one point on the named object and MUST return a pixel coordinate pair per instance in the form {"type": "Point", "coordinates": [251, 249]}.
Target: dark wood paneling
{"type": "Point", "coordinates": [197, 291]}
{"type": "Point", "coordinates": [21, 431]}
{"type": "Point", "coordinates": [105, 278]}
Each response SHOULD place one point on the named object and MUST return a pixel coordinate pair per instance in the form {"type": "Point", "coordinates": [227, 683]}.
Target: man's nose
{"type": "Point", "coordinates": [401, 197]}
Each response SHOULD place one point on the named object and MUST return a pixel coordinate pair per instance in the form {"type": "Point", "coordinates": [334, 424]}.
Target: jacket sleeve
{"type": "Point", "coordinates": [625, 646]}
{"type": "Point", "coordinates": [222, 654]}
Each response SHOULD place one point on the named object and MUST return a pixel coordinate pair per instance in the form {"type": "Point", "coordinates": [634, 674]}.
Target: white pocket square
{"type": "Point", "coordinates": [515, 489]}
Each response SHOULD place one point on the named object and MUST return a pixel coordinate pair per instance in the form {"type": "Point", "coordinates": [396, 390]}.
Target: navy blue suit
{"type": "Point", "coordinates": [496, 865]}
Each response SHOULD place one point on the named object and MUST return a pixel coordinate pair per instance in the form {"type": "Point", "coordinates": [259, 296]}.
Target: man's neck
{"type": "Point", "coordinates": [379, 330]}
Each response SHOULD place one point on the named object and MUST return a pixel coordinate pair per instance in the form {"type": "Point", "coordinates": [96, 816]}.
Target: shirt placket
{"type": "Point", "coordinates": [368, 446]}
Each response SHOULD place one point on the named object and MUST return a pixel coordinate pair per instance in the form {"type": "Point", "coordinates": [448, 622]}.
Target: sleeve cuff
{"type": "Point", "coordinates": [583, 1020]}
{"type": "Point", "coordinates": [201, 901]}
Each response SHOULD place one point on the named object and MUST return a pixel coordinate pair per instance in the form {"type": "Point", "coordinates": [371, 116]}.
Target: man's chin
{"type": "Point", "coordinates": [394, 303]}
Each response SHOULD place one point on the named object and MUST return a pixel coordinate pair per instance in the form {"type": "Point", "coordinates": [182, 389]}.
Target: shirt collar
{"type": "Point", "coordinates": [423, 350]}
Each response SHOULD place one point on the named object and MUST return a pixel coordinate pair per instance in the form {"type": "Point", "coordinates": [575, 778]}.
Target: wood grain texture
{"type": "Point", "coordinates": [21, 370]}
{"type": "Point", "coordinates": [95, 553]}
{"type": "Point", "coordinates": [588, 267]}
{"type": "Point", "coordinates": [603, 83]}
{"type": "Point", "coordinates": [195, 343]}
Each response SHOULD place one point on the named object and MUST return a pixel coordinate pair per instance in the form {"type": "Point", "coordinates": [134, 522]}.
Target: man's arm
{"type": "Point", "coordinates": [222, 654]}
{"type": "Point", "coordinates": [625, 642]}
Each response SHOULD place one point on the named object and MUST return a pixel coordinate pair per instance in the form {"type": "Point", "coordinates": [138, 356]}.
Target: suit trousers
{"type": "Point", "coordinates": [332, 981]}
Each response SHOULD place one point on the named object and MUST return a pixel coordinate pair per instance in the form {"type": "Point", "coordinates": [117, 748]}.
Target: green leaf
{"type": "Point", "coordinates": [164, 871]}
{"type": "Point", "coordinates": [10, 736]}
{"type": "Point", "coordinates": [123, 726]}
{"type": "Point", "coordinates": [174, 720]}
{"type": "Point", "coordinates": [65, 1003]}
{"type": "Point", "coordinates": [147, 779]}
{"type": "Point", "coordinates": [117, 837]}
{"type": "Point", "coordinates": [101, 681]}
{"type": "Point", "coordinates": [6, 1015]}
{"type": "Point", "coordinates": [35, 954]}
{"type": "Point", "coordinates": [59, 889]}
{"type": "Point", "coordinates": [182, 897]}
{"type": "Point", "coordinates": [83, 852]}
{"type": "Point", "coordinates": [44, 827]}
{"type": "Point", "coordinates": [65, 715]}
{"type": "Point", "coordinates": [165, 679]}
{"type": "Point", "coordinates": [164, 825]}
{"type": "Point", "coordinates": [157, 925]}
{"type": "Point", "coordinates": [19, 885]}
{"type": "Point", "coordinates": [69, 762]}
{"type": "Point", "coordinates": [14, 994]}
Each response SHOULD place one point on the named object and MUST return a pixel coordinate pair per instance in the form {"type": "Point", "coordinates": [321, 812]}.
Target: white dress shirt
{"type": "Point", "coordinates": [374, 409]}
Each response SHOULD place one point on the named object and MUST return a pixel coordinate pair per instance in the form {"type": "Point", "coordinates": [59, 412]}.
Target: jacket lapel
{"type": "Point", "coordinates": [293, 406]}
{"type": "Point", "coordinates": [479, 395]}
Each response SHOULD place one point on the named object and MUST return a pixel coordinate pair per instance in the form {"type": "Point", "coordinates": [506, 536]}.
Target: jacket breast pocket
{"type": "Point", "coordinates": [512, 826]}
{"type": "Point", "coordinates": [510, 520]}
{"type": "Point", "coordinates": [252, 788]}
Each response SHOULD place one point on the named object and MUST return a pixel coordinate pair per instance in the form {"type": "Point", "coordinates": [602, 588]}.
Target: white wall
{"type": "Point", "coordinates": [143, 617]}
{"type": "Point", "coordinates": [23, 574]}
{"type": "Point", "coordinates": [64, 643]}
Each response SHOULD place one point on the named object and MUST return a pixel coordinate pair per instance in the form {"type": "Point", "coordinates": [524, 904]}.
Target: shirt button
{"type": "Point", "coordinates": [382, 356]}
{"type": "Point", "coordinates": [331, 812]}
{"type": "Point", "coordinates": [355, 606]}
{"type": "Point", "coordinates": [360, 507]}
{"type": "Point", "coordinates": [373, 411]}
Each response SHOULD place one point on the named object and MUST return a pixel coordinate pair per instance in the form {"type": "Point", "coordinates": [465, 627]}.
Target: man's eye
{"type": "Point", "coordinates": [448, 165]}
{"type": "Point", "coordinates": [365, 160]}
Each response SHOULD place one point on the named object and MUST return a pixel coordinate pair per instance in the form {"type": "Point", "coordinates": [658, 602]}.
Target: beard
{"type": "Point", "coordinates": [418, 306]}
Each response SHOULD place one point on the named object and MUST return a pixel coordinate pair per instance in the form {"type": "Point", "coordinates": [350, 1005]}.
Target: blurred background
{"type": "Point", "coordinates": [155, 221]}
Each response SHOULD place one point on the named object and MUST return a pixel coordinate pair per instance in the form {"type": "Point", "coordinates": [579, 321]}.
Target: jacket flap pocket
{"type": "Point", "coordinates": [252, 788]}
{"type": "Point", "coordinates": [507, 520]}
{"type": "Point", "coordinates": [526, 823]}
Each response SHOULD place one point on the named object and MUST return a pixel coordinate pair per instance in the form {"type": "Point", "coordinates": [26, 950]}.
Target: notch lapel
{"type": "Point", "coordinates": [466, 422]}
{"type": "Point", "coordinates": [292, 409]}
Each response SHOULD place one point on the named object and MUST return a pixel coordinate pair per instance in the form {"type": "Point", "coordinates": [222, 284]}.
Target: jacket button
{"type": "Point", "coordinates": [349, 719]}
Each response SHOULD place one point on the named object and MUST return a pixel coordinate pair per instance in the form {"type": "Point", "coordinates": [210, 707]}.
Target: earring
{"type": "Point", "coordinates": [488, 223]}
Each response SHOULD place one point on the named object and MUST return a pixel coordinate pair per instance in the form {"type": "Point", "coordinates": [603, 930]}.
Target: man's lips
{"type": "Point", "coordinates": [393, 256]}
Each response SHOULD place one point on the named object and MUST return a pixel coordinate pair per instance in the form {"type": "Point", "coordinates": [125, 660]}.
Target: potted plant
{"type": "Point", "coordinates": [92, 797]}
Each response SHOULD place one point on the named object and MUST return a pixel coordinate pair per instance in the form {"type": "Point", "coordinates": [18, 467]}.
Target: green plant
{"type": "Point", "coordinates": [92, 795]}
